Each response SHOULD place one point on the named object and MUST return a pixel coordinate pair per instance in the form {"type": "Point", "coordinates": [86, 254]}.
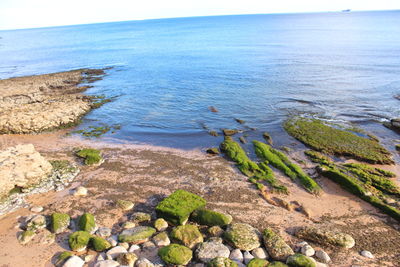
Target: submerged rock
{"type": "Point", "coordinates": [276, 246]}
{"type": "Point", "coordinates": [242, 236]}
{"type": "Point", "coordinates": [175, 254]}
{"type": "Point", "coordinates": [326, 237]}
{"type": "Point", "coordinates": [229, 132]}
{"type": "Point", "coordinates": [213, 151]}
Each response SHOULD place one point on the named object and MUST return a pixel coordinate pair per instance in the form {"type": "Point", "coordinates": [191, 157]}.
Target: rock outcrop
{"type": "Point", "coordinates": [22, 167]}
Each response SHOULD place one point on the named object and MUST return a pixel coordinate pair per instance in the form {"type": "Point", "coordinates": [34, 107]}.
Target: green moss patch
{"type": "Point", "coordinates": [90, 155]}
{"type": "Point", "coordinates": [189, 235]}
{"type": "Point", "coordinates": [99, 244]}
{"type": "Point", "coordinates": [79, 240]}
{"type": "Point", "coordinates": [211, 218]}
{"type": "Point", "coordinates": [281, 162]}
{"type": "Point", "coordinates": [323, 137]}
{"type": "Point", "coordinates": [137, 234]}
{"type": "Point", "coordinates": [175, 254]}
{"type": "Point", "coordinates": [177, 207]}
{"type": "Point", "coordinates": [277, 264]}
{"type": "Point", "coordinates": [222, 262]}
{"type": "Point", "coordinates": [97, 131]}
{"type": "Point", "coordinates": [258, 263]}
{"type": "Point", "coordinates": [63, 257]}
{"type": "Point", "coordinates": [299, 260]}
{"type": "Point", "coordinates": [59, 222]}
{"type": "Point", "coordinates": [87, 223]}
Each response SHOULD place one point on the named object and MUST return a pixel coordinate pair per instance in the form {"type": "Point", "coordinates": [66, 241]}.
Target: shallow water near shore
{"type": "Point", "coordinates": [258, 68]}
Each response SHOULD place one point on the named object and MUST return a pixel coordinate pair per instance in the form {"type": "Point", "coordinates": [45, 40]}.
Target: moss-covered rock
{"type": "Point", "coordinates": [211, 218]}
{"type": "Point", "coordinates": [189, 235]}
{"type": "Point", "coordinates": [175, 254]}
{"type": "Point", "coordinates": [79, 240]}
{"type": "Point", "coordinates": [277, 264]}
{"type": "Point", "coordinates": [36, 223]}
{"type": "Point", "coordinates": [332, 140]}
{"type": "Point", "coordinates": [87, 223]}
{"type": "Point", "coordinates": [90, 155]}
{"type": "Point", "coordinates": [213, 151]}
{"type": "Point", "coordinates": [139, 217]}
{"type": "Point", "coordinates": [299, 260]}
{"type": "Point", "coordinates": [258, 263]}
{"type": "Point", "coordinates": [160, 224]}
{"type": "Point", "coordinates": [229, 132]}
{"type": "Point", "coordinates": [26, 236]}
{"type": "Point", "coordinates": [136, 235]}
{"type": "Point", "coordinates": [125, 204]}
{"type": "Point", "coordinates": [215, 231]}
{"type": "Point", "coordinates": [222, 262]}
{"type": "Point", "coordinates": [59, 222]}
{"type": "Point", "coordinates": [276, 246]}
{"type": "Point", "coordinates": [242, 236]}
{"type": "Point", "coordinates": [177, 207]}
{"type": "Point", "coordinates": [326, 237]}
{"type": "Point", "coordinates": [99, 244]}
{"type": "Point", "coordinates": [63, 257]}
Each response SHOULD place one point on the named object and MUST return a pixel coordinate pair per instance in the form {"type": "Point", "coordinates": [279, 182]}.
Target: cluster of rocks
{"type": "Point", "coordinates": [37, 103]}
{"type": "Point", "coordinates": [184, 233]}
{"type": "Point", "coordinates": [24, 171]}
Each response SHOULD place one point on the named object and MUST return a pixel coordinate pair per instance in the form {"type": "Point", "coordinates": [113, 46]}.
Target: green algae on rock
{"type": "Point", "coordinates": [177, 207]}
{"type": "Point", "coordinates": [229, 132]}
{"type": "Point", "coordinates": [189, 235]}
{"type": "Point", "coordinates": [63, 257]}
{"type": "Point", "coordinates": [276, 246]}
{"type": "Point", "coordinates": [299, 260]}
{"type": "Point", "coordinates": [26, 236]}
{"type": "Point", "coordinates": [222, 262]}
{"type": "Point", "coordinates": [258, 263]}
{"type": "Point", "coordinates": [326, 237]}
{"type": "Point", "coordinates": [59, 222]}
{"type": "Point", "coordinates": [137, 234]}
{"type": "Point", "coordinates": [211, 218]}
{"type": "Point", "coordinates": [90, 155]}
{"type": "Point", "coordinates": [277, 264]}
{"type": "Point", "coordinates": [281, 162]}
{"type": "Point", "coordinates": [322, 137]}
{"type": "Point", "coordinates": [87, 223]}
{"type": "Point", "coordinates": [79, 240]}
{"type": "Point", "coordinates": [242, 236]}
{"type": "Point", "coordinates": [175, 254]}
{"type": "Point", "coordinates": [99, 244]}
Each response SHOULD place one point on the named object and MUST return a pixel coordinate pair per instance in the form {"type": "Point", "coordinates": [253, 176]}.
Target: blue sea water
{"type": "Point", "coordinates": [165, 73]}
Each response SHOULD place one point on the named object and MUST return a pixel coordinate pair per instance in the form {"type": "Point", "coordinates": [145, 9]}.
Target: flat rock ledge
{"type": "Point", "coordinates": [38, 103]}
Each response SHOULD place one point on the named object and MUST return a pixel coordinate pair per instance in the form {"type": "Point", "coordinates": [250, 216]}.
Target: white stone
{"type": "Point", "coordinates": [133, 248]}
{"type": "Point", "coordinates": [80, 191]}
{"type": "Point", "coordinates": [115, 251]}
{"type": "Point", "coordinates": [101, 257]}
{"type": "Point", "coordinates": [320, 264]}
{"type": "Point", "coordinates": [259, 253]}
{"type": "Point", "coordinates": [89, 257]}
{"type": "Point", "coordinates": [322, 256]}
{"type": "Point", "coordinates": [74, 261]}
{"type": "Point", "coordinates": [367, 254]}
{"type": "Point", "coordinates": [143, 262]}
{"type": "Point", "coordinates": [207, 251]}
{"type": "Point", "coordinates": [236, 255]}
{"type": "Point", "coordinates": [247, 257]}
{"type": "Point", "coordinates": [113, 240]}
{"type": "Point", "coordinates": [307, 250]}
{"type": "Point", "coordinates": [103, 232]}
{"type": "Point", "coordinates": [106, 263]}
{"type": "Point", "coordinates": [37, 209]}
{"type": "Point", "coordinates": [299, 245]}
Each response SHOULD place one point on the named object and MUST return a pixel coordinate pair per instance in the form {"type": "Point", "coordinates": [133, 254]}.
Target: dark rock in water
{"type": "Point", "coordinates": [213, 109]}
{"type": "Point", "coordinates": [213, 133]}
{"type": "Point", "coordinates": [267, 137]}
{"type": "Point", "coordinates": [395, 123]}
{"type": "Point", "coordinates": [229, 132]}
{"type": "Point", "coordinates": [213, 151]}
{"type": "Point", "coordinates": [239, 121]}
{"type": "Point", "coordinates": [242, 140]}
{"type": "Point", "coordinates": [398, 147]}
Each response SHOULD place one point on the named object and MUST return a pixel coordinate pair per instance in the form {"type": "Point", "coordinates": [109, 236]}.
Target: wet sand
{"type": "Point", "coordinates": [146, 174]}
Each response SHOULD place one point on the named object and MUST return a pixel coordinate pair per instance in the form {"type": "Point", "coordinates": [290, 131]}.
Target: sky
{"type": "Point", "coordinates": [17, 14]}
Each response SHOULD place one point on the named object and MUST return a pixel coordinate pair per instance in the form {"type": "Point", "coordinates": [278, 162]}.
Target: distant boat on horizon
{"type": "Point", "coordinates": [346, 10]}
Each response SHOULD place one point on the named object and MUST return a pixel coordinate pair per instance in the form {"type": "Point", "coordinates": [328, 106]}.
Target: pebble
{"type": "Point", "coordinates": [89, 257]}
{"type": "Point", "coordinates": [124, 244]}
{"type": "Point", "coordinates": [299, 245]}
{"type": "Point", "coordinates": [207, 251]}
{"type": "Point", "coordinates": [143, 262]}
{"type": "Point", "coordinates": [259, 253]}
{"type": "Point", "coordinates": [307, 250]}
{"type": "Point", "coordinates": [113, 240]}
{"type": "Point", "coordinates": [134, 248]}
{"type": "Point", "coordinates": [128, 225]}
{"type": "Point", "coordinates": [322, 256]}
{"type": "Point", "coordinates": [236, 255]}
{"type": "Point", "coordinates": [103, 232]}
{"type": "Point", "coordinates": [80, 191]}
{"type": "Point", "coordinates": [240, 264]}
{"type": "Point", "coordinates": [74, 261]}
{"type": "Point", "coordinates": [148, 245]}
{"type": "Point", "coordinates": [115, 251]}
{"type": "Point", "coordinates": [320, 264]}
{"type": "Point", "coordinates": [101, 257]}
{"type": "Point", "coordinates": [161, 224]}
{"type": "Point", "coordinates": [367, 254]}
{"type": "Point", "coordinates": [37, 209]}
{"type": "Point", "coordinates": [247, 257]}
{"type": "Point", "coordinates": [107, 263]}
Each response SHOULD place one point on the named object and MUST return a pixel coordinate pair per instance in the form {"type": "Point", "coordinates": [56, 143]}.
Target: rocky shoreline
{"type": "Point", "coordinates": [285, 206]}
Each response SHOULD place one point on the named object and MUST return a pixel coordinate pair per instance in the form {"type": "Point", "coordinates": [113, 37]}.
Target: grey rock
{"type": "Point", "coordinates": [259, 253]}
{"type": "Point", "coordinates": [103, 232]}
{"type": "Point", "coordinates": [247, 257]}
{"type": "Point", "coordinates": [236, 255]}
{"type": "Point", "coordinates": [367, 254]}
{"type": "Point", "coordinates": [307, 250]}
{"type": "Point", "coordinates": [74, 261]}
{"type": "Point", "coordinates": [209, 250]}
{"type": "Point", "coordinates": [143, 262]}
{"type": "Point", "coordinates": [322, 256]}
{"type": "Point", "coordinates": [107, 263]}
{"type": "Point", "coordinates": [115, 251]}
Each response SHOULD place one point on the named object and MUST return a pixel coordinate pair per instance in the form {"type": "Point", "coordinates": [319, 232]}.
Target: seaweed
{"type": "Point", "coordinates": [322, 137]}
{"type": "Point", "coordinates": [90, 155]}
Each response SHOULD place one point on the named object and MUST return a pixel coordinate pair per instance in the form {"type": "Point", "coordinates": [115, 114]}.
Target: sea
{"type": "Point", "coordinates": [165, 74]}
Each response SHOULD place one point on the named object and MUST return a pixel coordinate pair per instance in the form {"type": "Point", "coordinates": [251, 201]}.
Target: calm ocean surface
{"type": "Point", "coordinates": [260, 68]}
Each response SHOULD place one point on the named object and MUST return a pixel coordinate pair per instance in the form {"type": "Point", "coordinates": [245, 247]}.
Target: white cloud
{"type": "Point", "coordinates": [40, 13]}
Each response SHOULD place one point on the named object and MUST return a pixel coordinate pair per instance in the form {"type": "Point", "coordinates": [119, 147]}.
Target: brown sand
{"type": "Point", "coordinates": [145, 174]}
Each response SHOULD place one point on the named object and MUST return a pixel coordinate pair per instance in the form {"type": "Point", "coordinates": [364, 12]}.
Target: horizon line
{"type": "Point", "coordinates": [200, 16]}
